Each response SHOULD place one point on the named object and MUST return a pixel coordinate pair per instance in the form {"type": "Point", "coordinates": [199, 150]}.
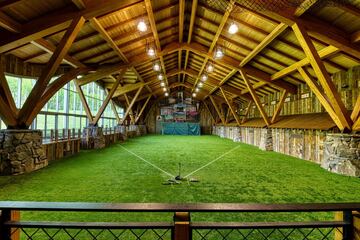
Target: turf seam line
{"type": "Point", "coordinates": [211, 162]}
{"type": "Point", "coordinates": [151, 164]}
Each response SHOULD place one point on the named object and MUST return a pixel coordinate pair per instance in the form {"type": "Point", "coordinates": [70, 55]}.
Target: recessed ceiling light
{"type": "Point", "coordinates": [142, 27]}
{"type": "Point", "coordinates": [233, 28]}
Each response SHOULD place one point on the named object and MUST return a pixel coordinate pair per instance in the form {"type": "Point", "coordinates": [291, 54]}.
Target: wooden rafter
{"type": "Point", "coordinates": [79, 4]}
{"type": "Point", "coordinates": [50, 69]}
{"type": "Point", "coordinates": [9, 24]}
{"type": "Point", "coordinates": [113, 107]}
{"type": "Point", "coordinates": [101, 73]}
{"type": "Point", "coordinates": [6, 93]}
{"type": "Point", "coordinates": [217, 109]}
{"type": "Point", "coordinates": [84, 102]}
{"type": "Point", "coordinates": [255, 98]}
{"type": "Point", "coordinates": [142, 109]}
{"type": "Point", "coordinates": [323, 76]}
{"type": "Point", "coordinates": [108, 97]}
{"type": "Point", "coordinates": [231, 107]}
{"type": "Point", "coordinates": [129, 108]}
{"type": "Point", "coordinates": [356, 111]}
{"type": "Point", "coordinates": [247, 112]}
{"type": "Point", "coordinates": [181, 31]}
{"type": "Point", "coordinates": [279, 106]}
{"type": "Point", "coordinates": [131, 112]}
{"type": "Point", "coordinates": [131, 87]}
{"type": "Point", "coordinates": [321, 96]}
{"type": "Point", "coordinates": [50, 48]}
{"type": "Point", "coordinates": [58, 21]}
{"type": "Point", "coordinates": [207, 107]}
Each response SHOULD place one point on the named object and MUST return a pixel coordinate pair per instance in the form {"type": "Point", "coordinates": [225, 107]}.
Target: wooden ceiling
{"type": "Point", "coordinates": [185, 33]}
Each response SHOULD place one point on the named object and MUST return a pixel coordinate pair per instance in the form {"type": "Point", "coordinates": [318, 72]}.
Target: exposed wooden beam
{"type": "Point", "coordinates": [323, 53]}
{"type": "Point", "coordinates": [84, 102]}
{"type": "Point", "coordinates": [321, 96]}
{"type": "Point", "coordinates": [217, 109]}
{"type": "Point", "coordinates": [304, 6]}
{"type": "Point", "coordinates": [234, 113]}
{"type": "Point", "coordinates": [8, 3]}
{"type": "Point", "coordinates": [247, 112]}
{"type": "Point", "coordinates": [279, 106]}
{"type": "Point", "coordinates": [323, 76]}
{"type": "Point", "coordinates": [9, 24]}
{"type": "Point", "coordinates": [108, 97]}
{"type": "Point", "coordinates": [50, 48]}
{"type": "Point", "coordinates": [58, 21]}
{"type": "Point", "coordinates": [142, 109]}
{"type": "Point", "coordinates": [50, 69]}
{"type": "Point", "coordinates": [131, 87]}
{"type": "Point", "coordinates": [5, 92]}
{"type": "Point", "coordinates": [255, 98]}
{"type": "Point", "coordinates": [264, 43]}
{"type": "Point", "coordinates": [207, 107]}
{"type": "Point", "coordinates": [101, 73]}
{"type": "Point", "coordinates": [131, 113]}
{"type": "Point", "coordinates": [356, 111]}
{"type": "Point", "coordinates": [131, 104]}
{"type": "Point", "coordinates": [355, 37]}
{"type": "Point", "coordinates": [79, 4]}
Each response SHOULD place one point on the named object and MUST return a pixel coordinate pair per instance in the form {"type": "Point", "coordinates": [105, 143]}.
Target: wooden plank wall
{"type": "Point", "coordinates": [347, 83]}
{"type": "Point", "coordinates": [60, 149]}
{"type": "Point", "coordinates": [300, 143]}
{"type": "Point", "coordinates": [206, 121]}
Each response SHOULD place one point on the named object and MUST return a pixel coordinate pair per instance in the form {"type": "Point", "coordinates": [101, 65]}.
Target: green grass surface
{"type": "Point", "coordinates": [245, 175]}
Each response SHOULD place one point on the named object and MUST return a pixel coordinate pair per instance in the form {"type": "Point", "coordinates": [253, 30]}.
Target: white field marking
{"type": "Point", "coordinates": [151, 164]}
{"type": "Point", "coordinates": [216, 159]}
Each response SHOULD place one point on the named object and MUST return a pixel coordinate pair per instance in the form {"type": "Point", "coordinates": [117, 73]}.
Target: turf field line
{"type": "Point", "coordinates": [146, 161]}
{"type": "Point", "coordinates": [211, 162]}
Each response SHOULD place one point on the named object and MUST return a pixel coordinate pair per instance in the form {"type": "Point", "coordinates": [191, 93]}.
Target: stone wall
{"type": "Point", "coordinates": [342, 154]}
{"type": "Point", "coordinates": [21, 151]}
{"type": "Point", "coordinates": [93, 138]}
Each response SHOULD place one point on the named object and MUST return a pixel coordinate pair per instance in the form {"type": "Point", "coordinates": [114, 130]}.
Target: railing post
{"type": "Point", "coordinates": [356, 225]}
{"type": "Point", "coordinates": [348, 230]}
{"type": "Point", "coordinates": [7, 233]}
{"type": "Point", "coordinates": [182, 229]}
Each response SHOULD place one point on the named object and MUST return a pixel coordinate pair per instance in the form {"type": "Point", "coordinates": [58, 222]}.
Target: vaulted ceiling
{"type": "Point", "coordinates": [185, 34]}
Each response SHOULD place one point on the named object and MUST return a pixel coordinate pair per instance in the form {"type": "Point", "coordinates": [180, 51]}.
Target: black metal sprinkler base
{"type": "Point", "coordinates": [178, 179]}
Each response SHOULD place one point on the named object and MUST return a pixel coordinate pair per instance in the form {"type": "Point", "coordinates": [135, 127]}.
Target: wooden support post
{"type": "Point", "coordinates": [73, 133]}
{"type": "Point", "coordinates": [182, 229]}
{"type": "Point", "coordinates": [7, 233]}
{"type": "Point", "coordinates": [356, 111]}
{"type": "Point", "coordinates": [217, 109]}
{"type": "Point", "coordinates": [279, 106]}
{"type": "Point", "coordinates": [255, 98]}
{"type": "Point", "coordinates": [247, 112]}
{"type": "Point", "coordinates": [231, 107]}
{"type": "Point", "coordinates": [79, 133]}
{"type": "Point", "coordinates": [131, 113]}
{"type": "Point", "coordinates": [323, 76]}
{"type": "Point", "coordinates": [131, 104]}
{"type": "Point", "coordinates": [84, 102]}
{"type": "Point", "coordinates": [56, 135]}
{"type": "Point", "coordinates": [321, 96]}
{"type": "Point", "coordinates": [51, 135]}
{"type": "Point", "coordinates": [143, 108]}
{"type": "Point", "coordinates": [207, 107]}
{"type": "Point", "coordinates": [63, 133]}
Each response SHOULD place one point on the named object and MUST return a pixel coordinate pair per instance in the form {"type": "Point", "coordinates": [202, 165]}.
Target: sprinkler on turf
{"type": "Point", "coordinates": [178, 179]}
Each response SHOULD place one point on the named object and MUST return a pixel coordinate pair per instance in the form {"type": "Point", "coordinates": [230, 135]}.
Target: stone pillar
{"type": "Point", "coordinates": [93, 138]}
{"type": "Point", "coordinates": [121, 130]}
{"type": "Point", "coordinates": [342, 154]}
{"type": "Point", "coordinates": [222, 131]}
{"type": "Point", "coordinates": [266, 140]}
{"type": "Point", "coordinates": [21, 151]}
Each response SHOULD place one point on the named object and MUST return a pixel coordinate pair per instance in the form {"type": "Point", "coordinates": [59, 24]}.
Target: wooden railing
{"type": "Point", "coordinates": [181, 228]}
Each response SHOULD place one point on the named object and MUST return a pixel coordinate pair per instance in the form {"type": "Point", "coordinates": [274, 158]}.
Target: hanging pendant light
{"type": "Point", "coordinates": [194, 94]}
{"type": "Point", "coordinates": [210, 67]}
{"type": "Point", "coordinates": [142, 27]}
{"type": "Point", "coordinates": [204, 77]}
{"type": "Point", "coordinates": [233, 28]}
{"type": "Point", "coordinates": [166, 94]}
{"type": "Point", "coordinates": [219, 52]}
{"type": "Point", "coordinates": [162, 84]}
{"type": "Point", "coordinates": [156, 67]}
{"type": "Point", "coordinates": [160, 76]}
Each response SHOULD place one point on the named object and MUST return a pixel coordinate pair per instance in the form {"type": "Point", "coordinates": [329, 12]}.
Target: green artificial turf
{"type": "Point", "coordinates": [245, 175]}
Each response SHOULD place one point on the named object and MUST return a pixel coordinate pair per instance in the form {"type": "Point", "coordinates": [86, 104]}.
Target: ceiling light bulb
{"type": "Point", "coordinates": [162, 84]}
{"type": "Point", "coordinates": [164, 89]}
{"type": "Point", "coordinates": [197, 89]}
{"type": "Point", "coordinates": [156, 67]}
{"type": "Point", "coordinates": [161, 77]}
{"type": "Point", "coordinates": [204, 77]}
{"type": "Point", "coordinates": [166, 94]}
{"type": "Point", "coordinates": [210, 67]}
{"type": "Point", "coordinates": [233, 28]}
{"type": "Point", "coordinates": [142, 26]}
{"type": "Point", "coordinates": [219, 53]}
{"type": "Point", "coordinates": [151, 51]}
{"type": "Point", "coordinates": [194, 94]}
{"type": "Point", "coordinates": [200, 84]}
